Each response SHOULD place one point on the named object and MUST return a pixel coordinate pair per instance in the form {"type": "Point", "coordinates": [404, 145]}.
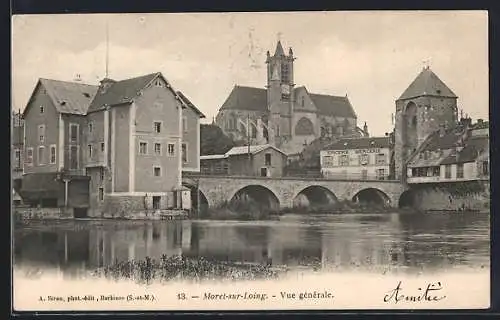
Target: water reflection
{"type": "Point", "coordinates": [318, 242]}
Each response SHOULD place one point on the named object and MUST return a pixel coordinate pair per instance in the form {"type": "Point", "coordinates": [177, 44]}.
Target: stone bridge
{"type": "Point", "coordinates": [287, 192]}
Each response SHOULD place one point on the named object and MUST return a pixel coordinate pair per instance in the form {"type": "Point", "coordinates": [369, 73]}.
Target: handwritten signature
{"type": "Point", "coordinates": [431, 293]}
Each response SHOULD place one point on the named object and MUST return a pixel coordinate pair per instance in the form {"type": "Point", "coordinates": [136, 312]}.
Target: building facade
{"type": "Point", "coordinates": [422, 108]}
{"type": "Point", "coordinates": [17, 145]}
{"type": "Point", "coordinates": [453, 155]}
{"type": "Point", "coordinates": [257, 160]}
{"type": "Point", "coordinates": [132, 138]}
{"type": "Point", "coordinates": [362, 158]}
{"type": "Point", "coordinates": [283, 115]}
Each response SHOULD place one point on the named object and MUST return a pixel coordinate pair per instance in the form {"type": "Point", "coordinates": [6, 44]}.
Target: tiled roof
{"type": "Point", "coordinates": [333, 105]}
{"type": "Point", "coordinates": [427, 83]}
{"type": "Point", "coordinates": [190, 104]}
{"type": "Point", "coordinates": [246, 98]}
{"type": "Point", "coordinates": [253, 149]}
{"type": "Point", "coordinates": [122, 91]}
{"type": "Point", "coordinates": [473, 147]}
{"type": "Point", "coordinates": [255, 99]}
{"type": "Point", "coordinates": [360, 143]}
{"type": "Point", "coordinates": [69, 97]}
{"type": "Point", "coordinates": [447, 141]}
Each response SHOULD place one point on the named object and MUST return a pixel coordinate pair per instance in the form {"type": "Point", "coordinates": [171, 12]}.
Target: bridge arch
{"type": "Point", "coordinates": [314, 196]}
{"type": "Point", "coordinates": [372, 196]}
{"type": "Point", "coordinates": [407, 199]}
{"type": "Point", "coordinates": [199, 200]}
{"type": "Point", "coordinates": [255, 195]}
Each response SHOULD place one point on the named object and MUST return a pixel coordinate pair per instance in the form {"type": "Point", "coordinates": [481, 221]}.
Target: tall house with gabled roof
{"type": "Point", "coordinates": [282, 114]}
{"type": "Point", "coordinates": [127, 140]}
{"type": "Point", "coordinates": [423, 107]}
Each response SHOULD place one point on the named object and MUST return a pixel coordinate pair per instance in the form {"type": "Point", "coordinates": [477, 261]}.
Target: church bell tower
{"type": "Point", "coordinates": [280, 95]}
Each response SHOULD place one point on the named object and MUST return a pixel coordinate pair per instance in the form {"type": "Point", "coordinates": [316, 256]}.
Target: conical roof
{"type": "Point", "coordinates": [279, 49]}
{"type": "Point", "coordinates": [427, 83]}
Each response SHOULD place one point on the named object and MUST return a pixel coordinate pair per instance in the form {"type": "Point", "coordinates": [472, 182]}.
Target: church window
{"type": "Point", "coordinates": [414, 120]}
{"type": "Point", "coordinates": [304, 127]}
{"type": "Point", "coordinates": [302, 101]}
{"type": "Point", "coordinates": [285, 72]}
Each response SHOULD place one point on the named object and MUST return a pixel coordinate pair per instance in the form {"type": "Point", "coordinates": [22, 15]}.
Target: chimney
{"type": "Point", "coordinates": [104, 84]}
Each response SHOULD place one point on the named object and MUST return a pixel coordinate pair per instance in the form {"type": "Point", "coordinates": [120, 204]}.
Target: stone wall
{"type": "Point", "coordinates": [122, 206]}
{"type": "Point", "coordinates": [43, 213]}
{"type": "Point", "coordinates": [458, 196]}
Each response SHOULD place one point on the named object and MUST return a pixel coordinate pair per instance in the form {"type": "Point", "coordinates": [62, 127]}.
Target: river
{"type": "Point", "coordinates": [390, 242]}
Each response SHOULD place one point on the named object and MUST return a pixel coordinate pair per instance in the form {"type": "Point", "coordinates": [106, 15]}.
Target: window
{"type": "Point", "coordinates": [157, 171]}
{"type": "Point", "coordinates": [344, 160]}
{"type": "Point", "coordinates": [486, 168]}
{"type": "Point", "coordinates": [41, 155]}
{"type": "Point", "coordinates": [436, 171]}
{"type": "Point", "coordinates": [285, 72]}
{"type": "Point", "coordinates": [42, 109]}
{"type": "Point", "coordinates": [17, 161]}
{"type": "Point", "coordinates": [143, 147]}
{"type": "Point", "coordinates": [363, 159]}
{"type": "Point", "coordinates": [101, 174]}
{"type": "Point", "coordinates": [253, 131]}
{"type": "Point", "coordinates": [380, 159]}
{"type": "Point", "coordinates": [101, 193]}
{"type": "Point", "coordinates": [73, 132]}
{"type": "Point", "coordinates": [156, 202]}
{"type": "Point", "coordinates": [327, 161]}
{"type": "Point", "coordinates": [171, 149]}
{"type": "Point", "coordinates": [268, 159]}
{"type": "Point", "coordinates": [29, 156]}
{"type": "Point", "coordinates": [73, 157]}
{"type": "Point", "coordinates": [157, 126]}
{"type": "Point", "coordinates": [89, 151]}
{"type": "Point", "coordinates": [91, 126]}
{"type": "Point", "coordinates": [52, 154]}
{"type": "Point", "coordinates": [447, 171]}
{"type": "Point", "coordinates": [460, 170]}
{"type": "Point", "coordinates": [380, 174]}
{"type": "Point", "coordinates": [302, 101]}
{"type": "Point", "coordinates": [184, 124]}
{"type": "Point", "coordinates": [158, 148]}
{"type": "Point", "coordinates": [263, 172]}
{"type": "Point", "coordinates": [184, 153]}
{"type": "Point", "coordinates": [102, 147]}
{"type": "Point", "coordinates": [41, 133]}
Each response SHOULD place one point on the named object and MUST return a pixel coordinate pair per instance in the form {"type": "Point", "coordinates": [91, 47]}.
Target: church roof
{"type": "Point", "coordinates": [427, 83]}
{"type": "Point", "coordinates": [255, 99]}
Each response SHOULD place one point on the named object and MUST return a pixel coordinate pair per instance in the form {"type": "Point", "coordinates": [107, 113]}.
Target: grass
{"type": "Point", "coordinates": [179, 267]}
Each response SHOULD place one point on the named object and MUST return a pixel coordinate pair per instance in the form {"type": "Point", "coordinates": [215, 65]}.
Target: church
{"type": "Point", "coordinates": [284, 115]}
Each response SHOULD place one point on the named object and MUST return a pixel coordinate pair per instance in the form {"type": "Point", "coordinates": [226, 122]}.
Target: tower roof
{"type": "Point", "coordinates": [279, 49]}
{"type": "Point", "coordinates": [427, 83]}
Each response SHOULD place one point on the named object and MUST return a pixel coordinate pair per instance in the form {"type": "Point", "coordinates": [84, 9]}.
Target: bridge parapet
{"type": "Point", "coordinates": [218, 189]}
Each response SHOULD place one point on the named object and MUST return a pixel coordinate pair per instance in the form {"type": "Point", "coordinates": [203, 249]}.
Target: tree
{"type": "Point", "coordinates": [213, 140]}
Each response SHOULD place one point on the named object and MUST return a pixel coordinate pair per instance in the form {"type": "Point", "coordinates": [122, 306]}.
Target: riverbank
{"type": "Point", "coordinates": [180, 267]}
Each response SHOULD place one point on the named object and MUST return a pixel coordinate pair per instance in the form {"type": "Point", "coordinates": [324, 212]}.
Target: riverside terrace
{"type": "Point", "coordinates": [285, 192]}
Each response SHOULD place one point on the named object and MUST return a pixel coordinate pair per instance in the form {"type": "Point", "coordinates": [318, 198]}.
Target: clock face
{"type": "Point", "coordinates": [285, 89]}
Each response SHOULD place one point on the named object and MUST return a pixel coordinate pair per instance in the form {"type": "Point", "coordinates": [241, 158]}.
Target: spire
{"type": "Point", "coordinates": [279, 49]}
{"type": "Point", "coordinates": [427, 83]}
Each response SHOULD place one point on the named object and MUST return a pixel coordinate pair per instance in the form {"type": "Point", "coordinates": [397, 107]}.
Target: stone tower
{"type": "Point", "coordinates": [279, 95]}
{"type": "Point", "coordinates": [422, 108]}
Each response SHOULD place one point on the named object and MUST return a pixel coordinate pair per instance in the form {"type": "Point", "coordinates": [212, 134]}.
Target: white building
{"type": "Point", "coordinates": [360, 158]}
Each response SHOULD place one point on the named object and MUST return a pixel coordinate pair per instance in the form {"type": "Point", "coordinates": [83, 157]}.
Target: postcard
{"type": "Point", "coordinates": [250, 161]}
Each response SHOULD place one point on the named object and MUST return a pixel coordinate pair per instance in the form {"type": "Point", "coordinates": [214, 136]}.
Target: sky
{"type": "Point", "coordinates": [370, 56]}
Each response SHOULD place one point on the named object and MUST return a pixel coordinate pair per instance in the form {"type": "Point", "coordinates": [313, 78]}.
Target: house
{"type": "Point", "coordinates": [283, 114]}
{"type": "Point", "coordinates": [455, 154]}
{"type": "Point", "coordinates": [257, 160]}
{"type": "Point", "coordinates": [130, 138]}
{"type": "Point", "coordinates": [17, 143]}
{"type": "Point", "coordinates": [359, 158]}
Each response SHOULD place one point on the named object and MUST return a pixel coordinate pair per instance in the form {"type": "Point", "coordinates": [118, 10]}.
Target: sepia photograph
{"type": "Point", "coordinates": [250, 161]}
